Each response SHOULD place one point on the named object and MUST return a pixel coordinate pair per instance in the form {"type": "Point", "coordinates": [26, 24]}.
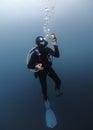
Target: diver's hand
{"type": "Point", "coordinates": [53, 39]}
{"type": "Point", "coordinates": [54, 43]}
{"type": "Point", "coordinates": [39, 67]}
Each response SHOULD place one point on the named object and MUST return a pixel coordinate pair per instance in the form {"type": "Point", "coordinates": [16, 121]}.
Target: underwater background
{"type": "Point", "coordinates": [21, 101]}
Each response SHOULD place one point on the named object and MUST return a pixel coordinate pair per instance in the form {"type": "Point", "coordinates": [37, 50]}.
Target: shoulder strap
{"type": "Point", "coordinates": [32, 50]}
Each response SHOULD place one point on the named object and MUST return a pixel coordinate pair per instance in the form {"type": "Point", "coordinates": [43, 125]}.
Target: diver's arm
{"type": "Point", "coordinates": [54, 52]}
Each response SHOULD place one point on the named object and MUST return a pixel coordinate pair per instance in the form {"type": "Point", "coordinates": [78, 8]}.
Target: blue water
{"type": "Point", "coordinates": [21, 104]}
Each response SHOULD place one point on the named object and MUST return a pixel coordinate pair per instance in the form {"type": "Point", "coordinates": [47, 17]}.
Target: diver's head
{"type": "Point", "coordinates": [41, 42]}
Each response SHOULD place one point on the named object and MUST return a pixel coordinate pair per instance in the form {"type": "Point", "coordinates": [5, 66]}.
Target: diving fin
{"type": "Point", "coordinates": [50, 117]}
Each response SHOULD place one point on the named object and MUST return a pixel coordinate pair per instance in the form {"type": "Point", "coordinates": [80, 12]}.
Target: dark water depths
{"type": "Point", "coordinates": [21, 104]}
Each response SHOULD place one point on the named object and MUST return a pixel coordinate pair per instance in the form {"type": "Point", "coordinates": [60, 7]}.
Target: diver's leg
{"type": "Point", "coordinates": [42, 78]}
{"type": "Point", "coordinates": [55, 78]}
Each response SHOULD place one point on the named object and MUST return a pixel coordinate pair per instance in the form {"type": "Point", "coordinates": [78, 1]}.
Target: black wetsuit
{"type": "Point", "coordinates": [42, 56]}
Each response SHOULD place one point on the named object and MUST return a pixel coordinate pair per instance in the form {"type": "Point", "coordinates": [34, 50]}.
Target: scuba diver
{"type": "Point", "coordinates": [40, 61]}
